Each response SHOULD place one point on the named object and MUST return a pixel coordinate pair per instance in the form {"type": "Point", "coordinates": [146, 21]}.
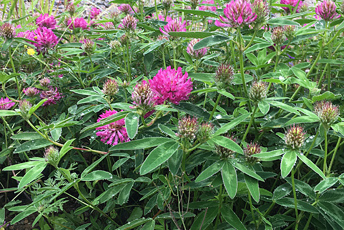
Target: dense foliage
{"type": "Point", "coordinates": [184, 115]}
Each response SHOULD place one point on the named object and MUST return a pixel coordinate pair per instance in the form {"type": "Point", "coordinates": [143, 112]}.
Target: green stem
{"type": "Point", "coordinates": [295, 198]}
{"type": "Point", "coordinates": [249, 124]}
{"type": "Point", "coordinates": [325, 156]}
{"type": "Point", "coordinates": [174, 57]}
{"type": "Point", "coordinates": [253, 37]}
{"type": "Point", "coordinates": [129, 68]}
{"type": "Point", "coordinates": [333, 156]}
{"type": "Point", "coordinates": [251, 207]}
{"type": "Point", "coordinates": [220, 205]}
{"type": "Point", "coordinates": [14, 71]}
{"type": "Point", "coordinates": [163, 57]}
{"type": "Point", "coordinates": [214, 109]}
{"type": "Point", "coordinates": [308, 222]}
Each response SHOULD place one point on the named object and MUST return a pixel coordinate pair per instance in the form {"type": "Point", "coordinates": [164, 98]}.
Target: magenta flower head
{"type": "Point", "coordinates": [7, 31]}
{"type": "Point", "coordinates": [143, 97]}
{"type": "Point", "coordinates": [77, 23]}
{"type": "Point", "coordinates": [196, 53]}
{"type": "Point", "coordinates": [113, 133]}
{"type": "Point", "coordinates": [295, 137]}
{"type": "Point", "coordinates": [237, 14]}
{"type": "Point", "coordinates": [45, 82]}
{"type": "Point", "coordinates": [45, 39]}
{"type": "Point", "coordinates": [175, 25]}
{"type": "Point", "coordinates": [52, 95]}
{"type": "Point", "coordinates": [94, 12]}
{"type": "Point", "coordinates": [327, 112]}
{"type": "Point", "coordinates": [292, 3]}
{"type": "Point", "coordinates": [44, 20]}
{"type": "Point", "coordinates": [171, 85]}
{"type": "Point", "coordinates": [128, 23]}
{"type": "Point", "coordinates": [126, 8]}
{"type": "Point", "coordinates": [327, 10]}
{"type": "Point", "coordinates": [209, 5]}
{"type": "Point", "coordinates": [188, 127]}
{"type": "Point", "coordinates": [6, 104]}
{"type": "Point", "coordinates": [31, 91]}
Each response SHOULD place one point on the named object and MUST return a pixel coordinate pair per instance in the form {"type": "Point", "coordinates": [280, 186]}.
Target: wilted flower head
{"type": "Point", "coordinates": [45, 82]}
{"type": "Point", "coordinates": [290, 31]}
{"type": "Point", "coordinates": [88, 45]}
{"type": "Point", "coordinates": [258, 91]}
{"type": "Point", "coordinates": [110, 87]}
{"type": "Point", "coordinates": [205, 131]}
{"type": "Point", "coordinates": [45, 39]}
{"type": "Point", "coordinates": [113, 133]}
{"type": "Point", "coordinates": [7, 31]}
{"type": "Point", "coordinates": [292, 3]}
{"type": "Point", "coordinates": [44, 20]}
{"type": "Point", "coordinates": [295, 137]}
{"type": "Point", "coordinates": [175, 25]}
{"type": "Point", "coordinates": [278, 36]}
{"type": "Point", "coordinates": [207, 7]}
{"type": "Point", "coordinates": [327, 10]}
{"type": "Point", "coordinates": [143, 97]}
{"type": "Point", "coordinates": [224, 152]}
{"type": "Point", "coordinates": [196, 53]}
{"type": "Point", "coordinates": [262, 10]}
{"type": "Point", "coordinates": [129, 23]}
{"type": "Point", "coordinates": [250, 150]}
{"type": "Point", "coordinates": [71, 8]}
{"type": "Point", "coordinates": [6, 104]}
{"type": "Point", "coordinates": [24, 107]}
{"type": "Point", "coordinates": [237, 14]}
{"type": "Point", "coordinates": [171, 85]}
{"type": "Point", "coordinates": [224, 76]}
{"type": "Point", "coordinates": [52, 156]}
{"type": "Point", "coordinates": [52, 95]}
{"type": "Point", "coordinates": [77, 23]}
{"type": "Point", "coordinates": [327, 112]}
{"type": "Point", "coordinates": [94, 12]}
{"type": "Point", "coordinates": [31, 91]}
{"type": "Point", "coordinates": [114, 44]}
{"type": "Point", "coordinates": [126, 8]}
{"type": "Point", "coordinates": [188, 127]}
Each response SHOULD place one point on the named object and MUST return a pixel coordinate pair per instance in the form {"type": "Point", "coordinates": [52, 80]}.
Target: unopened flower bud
{"type": "Point", "coordinates": [224, 76]}
{"type": "Point", "coordinates": [327, 112]}
{"type": "Point", "coordinates": [45, 82]}
{"type": "Point", "coordinates": [110, 87]}
{"type": "Point", "coordinates": [115, 44]}
{"type": "Point", "coordinates": [129, 23]}
{"type": "Point", "coordinates": [124, 40]}
{"type": "Point", "coordinates": [223, 152]}
{"type": "Point", "coordinates": [7, 31]}
{"type": "Point", "coordinates": [167, 4]}
{"type": "Point", "coordinates": [258, 91]}
{"type": "Point", "coordinates": [250, 150]}
{"type": "Point", "coordinates": [194, 4]}
{"type": "Point", "coordinates": [196, 53]}
{"type": "Point", "coordinates": [125, 84]}
{"type": "Point", "coordinates": [188, 127]}
{"type": "Point", "coordinates": [88, 45]}
{"type": "Point", "coordinates": [71, 9]}
{"type": "Point", "coordinates": [342, 7]}
{"type": "Point", "coordinates": [115, 15]}
{"type": "Point", "coordinates": [289, 31]}
{"type": "Point", "coordinates": [295, 137]}
{"type": "Point", "coordinates": [143, 97]}
{"type": "Point", "coordinates": [24, 107]}
{"type": "Point", "coordinates": [278, 36]}
{"type": "Point", "coordinates": [205, 131]}
{"type": "Point", "coordinates": [52, 156]}
{"type": "Point", "coordinates": [31, 91]}
{"type": "Point", "coordinates": [262, 10]}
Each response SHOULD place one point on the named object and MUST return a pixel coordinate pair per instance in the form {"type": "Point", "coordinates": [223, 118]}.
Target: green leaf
{"type": "Point", "coordinates": [247, 171]}
{"type": "Point", "coordinates": [208, 172]}
{"type": "Point", "coordinates": [134, 224]}
{"type": "Point", "coordinates": [155, 45]}
{"type": "Point", "coordinates": [27, 136]}
{"type": "Point", "coordinates": [231, 218]}
{"type": "Point", "coordinates": [85, 92]}
{"type": "Point", "coordinates": [141, 143]}
{"type": "Point", "coordinates": [333, 211]}
{"type": "Point", "coordinates": [23, 214]}
{"type": "Point", "coordinates": [192, 110]}
{"type": "Point", "coordinates": [32, 145]}
{"type": "Point", "coordinates": [132, 124]}
{"type": "Point", "coordinates": [285, 107]}
{"type": "Point", "coordinates": [92, 166]}
{"type": "Point", "coordinates": [229, 178]}
{"type": "Point", "coordinates": [332, 61]}
{"type": "Point", "coordinates": [97, 175]}
{"type": "Point", "coordinates": [325, 184]}
{"type": "Point", "coordinates": [226, 94]}
{"type": "Point", "coordinates": [211, 41]}
{"type": "Point", "coordinates": [190, 34]}
{"type": "Point", "coordinates": [35, 107]}
{"type": "Point", "coordinates": [311, 165]}
{"type": "Point", "coordinates": [288, 162]}
{"type": "Point", "coordinates": [123, 196]}
{"type": "Point", "coordinates": [204, 219]}
{"type": "Point", "coordinates": [282, 22]}
{"type": "Point", "coordinates": [106, 121]}
{"type": "Point", "coordinates": [204, 77]}
{"type": "Point", "coordinates": [198, 12]}
{"type": "Point", "coordinates": [158, 156]}
{"type": "Point", "coordinates": [32, 174]}
{"type": "Point", "coordinates": [258, 47]}
{"type": "Point", "coordinates": [149, 226]}
{"type": "Point", "coordinates": [253, 187]}
{"type": "Point", "coordinates": [301, 205]}
{"type": "Point", "coordinates": [8, 113]}
{"type": "Point", "coordinates": [175, 161]}
{"type": "Point", "coordinates": [4, 77]}
{"type": "Point", "coordinates": [166, 130]}
{"type": "Point", "coordinates": [264, 107]}
{"type": "Point", "coordinates": [232, 124]}
{"type": "Point", "coordinates": [119, 163]}
{"type": "Point", "coordinates": [302, 187]}
{"type": "Point", "coordinates": [24, 165]}
{"type": "Point", "coordinates": [326, 96]}
{"type": "Point", "coordinates": [270, 154]}
{"type": "Point", "coordinates": [302, 119]}
{"type": "Point", "coordinates": [227, 143]}
{"type": "Point", "coordinates": [281, 191]}
{"type": "Point", "coordinates": [65, 148]}
{"type": "Point", "coordinates": [333, 196]}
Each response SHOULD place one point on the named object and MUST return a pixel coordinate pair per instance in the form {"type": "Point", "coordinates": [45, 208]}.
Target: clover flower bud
{"type": "Point", "coordinates": [278, 36]}
{"type": "Point", "coordinates": [295, 137]}
{"type": "Point", "coordinates": [327, 112]}
{"type": "Point", "coordinates": [188, 127]}
{"type": "Point", "coordinates": [290, 31]}
{"type": "Point", "coordinates": [110, 87]}
{"type": "Point", "coordinates": [258, 91]}
{"type": "Point", "coordinates": [223, 152]}
{"type": "Point", "coordinates": [24, 107]}
{"type": "Point", "coordinates": [143, 97]}
{"type": "Point", "coordinates": [262, 10]}
{"type": "Point", "coordinates": [71, 9]}
{"type": "Point", "coordinates": [52, 156]}
{"type": "Point", "coordinates": [125, 84]}
{"type": "Point", "coordinates": [124, 40]}
{"type": "Point", "coordinates": [194, 4]}
{"type": "Point", "coordinates": [126, 8]}
{"type": "Point", "coordinates": [31, 91]}
{"type": "Point", "coordinates": [326, 10]}
{"type": "Point", "coordinates": [129, 23]}
{"type": "Point", "coordinates": [115, 15]}
{"type": "Point", "coordinates": [167, 4]}
{"type": "Point", "coordinates": [205, 131]}
{"type": "Point", "coordinates": [250, 150]}
{"type": "Point", "coordinates": [88, 46]}
{"type": "Point", "coordinates": [45, 82]}
{"type": "Point", "coordinates": [196, 53]}
{"type": "Point", "coordinates": [7, 31]}
{"type": "Point", "coordinates": [224, 76]}
{"type": "Point", "coordinates": [115, 44]}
